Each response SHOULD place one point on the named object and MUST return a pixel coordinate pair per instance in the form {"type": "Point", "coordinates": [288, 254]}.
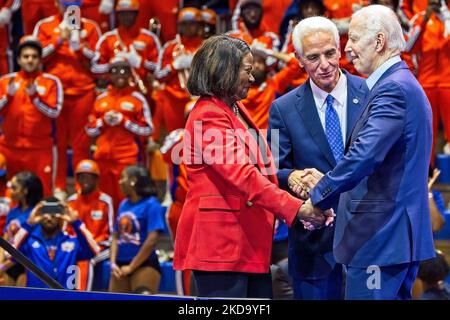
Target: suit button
{"type": "Point", "coordinates": [249, 203]}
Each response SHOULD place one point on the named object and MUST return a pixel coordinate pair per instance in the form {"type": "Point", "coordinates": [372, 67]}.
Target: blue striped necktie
{"type": "Point", "coordinates": [333, 130]}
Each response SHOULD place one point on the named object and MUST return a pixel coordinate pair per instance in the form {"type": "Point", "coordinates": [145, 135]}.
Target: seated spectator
{"type": "Point", "coordinates": [42, 240]}
{"type": "Point", "coordinates": [134, 263]}
{"type": "Point", "coordinates": [26, 190]}
{"type": "Point", "coordinates": [433, 273]}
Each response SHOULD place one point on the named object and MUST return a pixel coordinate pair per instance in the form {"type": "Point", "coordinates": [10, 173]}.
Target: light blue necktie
{"type": "Point", "coordinates": [333, 130]}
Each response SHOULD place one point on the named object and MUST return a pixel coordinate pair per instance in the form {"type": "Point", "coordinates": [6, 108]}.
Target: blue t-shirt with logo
{"type": "Point", "coordinates": [134, 222]}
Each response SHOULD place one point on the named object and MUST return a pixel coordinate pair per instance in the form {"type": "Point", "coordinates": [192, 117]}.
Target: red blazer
{"type": "Point", "coordinates": [227, 220]}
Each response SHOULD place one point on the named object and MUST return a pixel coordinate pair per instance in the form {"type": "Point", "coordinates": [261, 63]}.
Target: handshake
{"type": "Point", "coordinates": [301, 182]}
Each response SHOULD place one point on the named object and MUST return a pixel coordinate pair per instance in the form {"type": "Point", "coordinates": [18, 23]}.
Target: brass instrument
{"type": "Point", "coordinates": [120, 47]}
{"type": "Point", "coordinates": [179, 50]}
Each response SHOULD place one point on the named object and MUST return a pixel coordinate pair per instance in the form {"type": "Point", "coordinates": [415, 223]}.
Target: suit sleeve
{"type": "Point", "coordinates": [383, 127]}
{"type": "Point", "coordinates": [241, 175]}
{"type": "Point", "coordinates": [284, 160]}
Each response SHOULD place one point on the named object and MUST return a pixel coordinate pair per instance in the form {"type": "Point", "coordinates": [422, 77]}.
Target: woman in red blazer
{"type": "Point", "coordinates": [226, 227]}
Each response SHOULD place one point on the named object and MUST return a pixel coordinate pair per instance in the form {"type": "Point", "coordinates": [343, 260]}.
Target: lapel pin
{"type": "Point", "coordinates": [355, 101]}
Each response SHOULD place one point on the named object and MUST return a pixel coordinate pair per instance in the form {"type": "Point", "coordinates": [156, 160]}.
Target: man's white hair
{"type": "Point", "coordinates": [312, 25]}
{"type": "Point", "coordinates": [382, 19]}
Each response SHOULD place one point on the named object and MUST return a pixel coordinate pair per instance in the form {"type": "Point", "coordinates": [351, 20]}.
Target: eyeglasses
{"type": "Point", "coordinates": [315, 58]}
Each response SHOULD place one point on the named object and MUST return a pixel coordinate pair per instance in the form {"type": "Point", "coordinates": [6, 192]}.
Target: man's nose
{"type": "Point", "coordinates": [347, 47]}
{"type": "Point", "coordinates": [251, 79]}
{"type": "Point", "coordinates": [323, 63]}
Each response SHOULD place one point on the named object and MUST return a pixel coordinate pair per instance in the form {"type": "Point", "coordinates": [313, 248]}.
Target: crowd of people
{"type": "Point", "coordinates": [103, 89]}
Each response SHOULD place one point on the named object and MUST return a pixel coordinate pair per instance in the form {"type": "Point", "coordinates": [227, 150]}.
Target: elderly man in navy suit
{"type": "Point", "coordinates": [383, 224]}
{"type": "Point", "coordinates": [312, 125]}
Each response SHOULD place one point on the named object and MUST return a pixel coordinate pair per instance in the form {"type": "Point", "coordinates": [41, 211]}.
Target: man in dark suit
{"type": "Point", "coordinates": [312, 131]}
{"type": "Point", "coordinates": [383, 224]}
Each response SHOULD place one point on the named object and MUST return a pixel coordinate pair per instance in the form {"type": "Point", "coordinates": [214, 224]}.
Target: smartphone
{"type": "Point", "coordinates": [51, 208]}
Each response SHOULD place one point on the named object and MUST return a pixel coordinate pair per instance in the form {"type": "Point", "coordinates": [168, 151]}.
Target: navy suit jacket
{"type": "Point", "coordinates": [383, 216]}
{"type": "Point", "coordinates": [303, 144]}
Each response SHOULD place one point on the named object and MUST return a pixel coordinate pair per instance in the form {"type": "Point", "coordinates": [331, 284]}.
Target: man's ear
{"type": "Point", "coordinates": [381, 42]}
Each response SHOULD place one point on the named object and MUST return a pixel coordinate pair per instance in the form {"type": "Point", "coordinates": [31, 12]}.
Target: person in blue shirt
{"type": "Point", "coordinates": [42, 240]}
{"type": "Point", "coordinates": [26, 190]}
{"type": "Point", "coordinates": [134, 263]}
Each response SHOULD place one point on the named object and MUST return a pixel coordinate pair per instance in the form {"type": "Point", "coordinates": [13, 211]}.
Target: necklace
{"type": "Point", "coordinates": [235, 109]}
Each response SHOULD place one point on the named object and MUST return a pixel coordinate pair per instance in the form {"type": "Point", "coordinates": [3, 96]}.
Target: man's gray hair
{"type": "Point", "coordinates": [382, 19]}
{"type": "Point", "coordinates": [312, 25]}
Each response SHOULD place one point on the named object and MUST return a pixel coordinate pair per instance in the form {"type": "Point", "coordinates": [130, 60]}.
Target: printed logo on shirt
{"type": "Point", "coordinates": [129, 228]}
{"type": "Point", "coordinates": [51, 250]}
{"type": "Point", "coordinates": [41, 90]}
{"type": "Point", "coordinates": [12, 228]}
{"type": "Point", "coordinates": [96, 214]}
{"type": "Point", "coordinates": [139, 45]}
{"type": "Point", "coordinates": [36, 245]}
{"type": "Point", "coordinates": [127, 106]}
{"type": "Point", "coordinates": [68, 246]}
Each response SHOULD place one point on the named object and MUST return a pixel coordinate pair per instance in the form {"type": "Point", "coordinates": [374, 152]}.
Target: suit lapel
{"type": "Point", "coordinates": [306, 107]}
{"type": "Point", "coordinates": [355, 104]}
{"type": "Point", "coordinates": [369, 97]}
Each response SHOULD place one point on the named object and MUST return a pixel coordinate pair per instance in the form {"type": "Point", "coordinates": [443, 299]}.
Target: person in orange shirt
{"type": "Point", "coordinates": [98, 11]}
{"type": "Point", "coordinates": [139, 46]}
{"type": "Point", "coordinates": [340, 12]}
{"type": "Point", "coordinates": [95, 210]}
{"type": "Point", "coordinates": [209, 23]}
{"type": "Point", "coordinates": [265, 88]}
{"type": "Point", "coordinates": [277, 8]}
{"type": "Point", "coordinates": [166, 14]}
{"type": "Point", "coordinates": [430, 41]}
{"type": "Point", "coordinates": [306, 9]}
{"type": "Point", "coordinates": [67, 54]}
{"type": "Point", "coordinates": [172, 152]}
{"type": "Point", "coordinates": [174, 64]}
{"type": "Point", "coordinates": [121, 116]}
{"type": "Point", "coordinates": [7, 7]}
{"type": "Point", "coordinates": [30, 102]}
{"type": "Point", "coordinates": [246, 25]}
{"type": "Point", "coordinates": [35, 10]}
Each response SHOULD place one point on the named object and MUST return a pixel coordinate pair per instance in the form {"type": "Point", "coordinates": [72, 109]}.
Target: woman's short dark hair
{"type": "Point", "coordinates": [31, 182]}
{"type": "Point", "coordinates": [215, 67]}
{"type": "Point", "coordinates": [144, 187]}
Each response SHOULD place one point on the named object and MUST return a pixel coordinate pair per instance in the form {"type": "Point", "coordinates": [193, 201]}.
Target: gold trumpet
{"type": "Point", "coordinates": [120, 47]}
{"type": "Point", "coordinates": [179, 50]}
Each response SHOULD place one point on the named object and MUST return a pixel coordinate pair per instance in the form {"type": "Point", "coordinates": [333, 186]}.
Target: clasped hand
{"type": "Point", "coordinates": [314, 218]}
{"type": "Point", "coordinates": [302, 181]}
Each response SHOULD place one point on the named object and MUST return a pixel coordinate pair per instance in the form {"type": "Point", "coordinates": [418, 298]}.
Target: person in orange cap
{"type": "Point", "coordinates": [138, 45]}
{"type": "Point", "coordinates": [30, 101]}
{"type": "Point", "coordinates": [67, 54]}
{"type": "Point", "coordinates": [174, 62]}
{"type": "Point", "coordinates": [120, 119]}
{"type": "Point", "coordinates": [246, 25]}
{"type": "Point", "coordinates": [209, 19]}
{"type": "Point", "coordinates": [95, 210]}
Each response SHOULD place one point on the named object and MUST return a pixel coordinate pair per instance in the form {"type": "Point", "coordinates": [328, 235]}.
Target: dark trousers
{"type": "Point", "coordinates": [233, 284]}
{"type": "Point", "coordinates": [329, 288]}
{"type": "Point", "coordinates": [381, 283]}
